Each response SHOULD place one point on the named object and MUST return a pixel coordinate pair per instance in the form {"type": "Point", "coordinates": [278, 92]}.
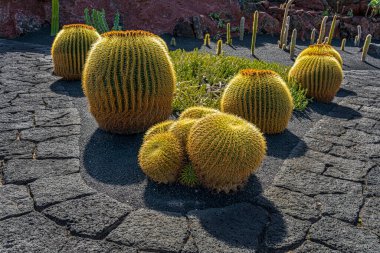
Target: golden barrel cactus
{"type": "Point", "coordinates": [320, 74]}
{"type": "Point", "coordinates": [181, 129]}
{"type": "Point", "coordinates": [161, 158]}
{"type": "Point", "coordinates": [196, 112]}
{"type": "Point", "coordinates": [225, 150]}
{"type": "Point", "coordinates": [161, 127]}
{"type": "Point", "coordinates": [129, 81]}
{"type": "Point", "coordinates": [261, 97]}
{"type": "Point", "coordinates": [70, 49]}
{"type": "Point", "coordinates": [321, 48]}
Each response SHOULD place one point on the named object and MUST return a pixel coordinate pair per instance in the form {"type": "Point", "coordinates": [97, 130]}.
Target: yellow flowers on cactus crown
{"type": "Point", "coordinates": [79, 26]}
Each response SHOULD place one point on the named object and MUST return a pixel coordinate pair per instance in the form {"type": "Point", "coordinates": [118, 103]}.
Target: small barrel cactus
{"type": "Point", "coordinates": [129, 81]}
{"type": "Point", "coordinates": [161, 127]}
{"type": "Point", "coordinates": [196, 112]}
{"type": "Point", "coordinates": [70, 49]}
{"type": "Point", "coordinates": [181, 129]}
{"type": "Point", "coordinates": [225, 151]}
{"type": "Point", "coordinates": [320, 74]}
{"type": "Point", "coordinates": [188, 177]}
{"type": "Point", "coordinates": [161, 158]}
{"type": "Point", "coordinates": [261, 97]}
{"type": "Point", "coordinates": [321, 48]}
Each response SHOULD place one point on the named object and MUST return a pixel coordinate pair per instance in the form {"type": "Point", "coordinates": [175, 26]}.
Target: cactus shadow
{"type": "Point", "coordinates": [345, 93]}
{"type": "Point", "coordinates": [67, 88]}
{"type": "Point", "coordinates": [335, 110]}
{"type": "Point", "coordinates": [112, 159]}
{"type": "Point", "coordinates": [280, 145]}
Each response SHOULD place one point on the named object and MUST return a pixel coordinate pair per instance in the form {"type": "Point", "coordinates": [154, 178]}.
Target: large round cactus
{"type": "Point", "coordinates": [181, 129]}
{"type": "Point", "coordinates": [70, 49]}
{"type": "Point", "coordinates": [321, 48]}
{"type": "Point", "coordinates": [261, 97]}
{"type": "Point", "coordinates": [129, 81]}
{"type": "Point", "coordinates": [225, 150]}
{"type": "Point", "coordinates": [158, 128]}
{"type": "Point", "coordinates": [196, 112]}
{"type": "Point", "coordinates": [320, 74]}
{"type": "Point", "coordinates": [161, 158]}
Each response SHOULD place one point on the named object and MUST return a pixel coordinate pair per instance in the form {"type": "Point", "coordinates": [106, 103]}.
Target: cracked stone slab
{"type": "Point", "coordinates": [362, 152]}
{"type": "Point", "coordinates": [370, 215]}
{"type": "Point", "coordinates": [24, 171]}
{"type": "Point", "coordinates": [58, 117]}
{"type": "Point", "coordinates": [190, 246]}
{"type": "Point", "coordinates": [74, 245]}
{"type": "Point", "coordinates": [343, 236]}
{"type": "Point", "coordinates": [235, 228]}
{"type": "Point", "coordinates": [51, 190]}
{"type": "Point", "coordinates": [92, 216]}
{"type": "Point", "coordinates": [63, 147]}
{"type": "Point", "coordinates": [17, 149]}
{"type": "Point", "coordinates": [32, 233]}
{"type": "Point", "coordinates": [40, 134]}
{"type": "Point", "coordinates": [152, 230]}
{"type": "Point", "coordinates": [285, 231]}
{"type": "Point", "coordinates": [313, 184]}
{"type": "Point", "coordinates": [373, 182]}
{"type": "Point", "coordinates": [292, 203]}
{"type": "Point", "coordinates": [309, 246]}
{"type": "Point", "coordinates": [14, 200]}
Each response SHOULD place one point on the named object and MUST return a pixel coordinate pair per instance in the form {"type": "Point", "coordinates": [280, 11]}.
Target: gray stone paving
{"type": "Point", "coordinates": [325, 197]}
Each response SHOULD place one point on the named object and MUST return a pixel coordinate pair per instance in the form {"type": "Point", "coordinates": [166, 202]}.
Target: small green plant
{"type": "Point", "coordinates": [375, 6]}
{"type": "Point", "coordinates": [254, 32]}
{"type": "Point", "coordinates": [350, 13]}
{"type": "Point", "coordinates": [366, 46]}
{"type": "Point", "coordinates": [241, 29]}
{"type": "Point", "coordinates": [325, 13]}
{"type": "Point", "coordinates": [188, 176]}
{"type": "Point", "coordinates": [54, 17]}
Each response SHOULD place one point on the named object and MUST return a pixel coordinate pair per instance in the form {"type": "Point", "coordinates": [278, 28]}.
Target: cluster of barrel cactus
{"type": "Point", "coordinates": [218, 150]}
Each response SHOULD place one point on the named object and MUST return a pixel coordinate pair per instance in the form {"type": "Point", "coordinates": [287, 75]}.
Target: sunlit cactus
{"type": "Point", "coordinates": [207, 40]}
{"type": "Point", "coordinates": [322, 31]}
{"type": "Point", "coordinates": [332, 30]}
{"type": "Point", "coordinates": [343, 45]}
{"type": "Point", "coordinates": [255, 26]}
{"type": "Point", "coordinates": [181, 129]}
{"type": "Point", "coordinates": [219, 45]}
{"type": "Point", "coordinates": [158, 128]}
{"type": "Point", "coordinates": [322, 48]}
{"type": "Point", "coordinates": [284, 22]}
{"type": "Point", "coordinates": [366, 46]}
{"type": "Point", "coordinates": [241, 29]}
{"type": "Point", "coordinates": [293, 43]}
{"type": "Point", "coordinates": [312, 37]}
{"type": "Point", "coordinates": [229, 38]}
{"type": "Point", "coordinates": [54, 17]}
{"type": "Point", "coordinates": [197, 112]}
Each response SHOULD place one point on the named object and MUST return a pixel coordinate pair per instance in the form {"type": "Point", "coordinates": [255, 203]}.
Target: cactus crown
{"type": "Point", "coordinates": [253, 72]}
{"type": "Point", "coordinates": [78, 26]}
{"type": "Point", "coordinates": [128, 33]}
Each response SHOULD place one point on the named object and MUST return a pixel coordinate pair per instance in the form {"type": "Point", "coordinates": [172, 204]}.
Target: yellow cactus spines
{"type": "Point", "coordinates": [225, 150]}
{"type": "Point", "coordinates": [70, 49]}
{"type": "Point", "coordinates": [320, 74]}
{"type": "Point", "coordinates": [161, 127]}
{"type": "Point", "coordinates": [161, 158]}
{"type": "Point", "coordinates": [321, 48]}
{"type": "Point", "coordinates": [129, 81]}
{"type": "Point", "coordinates": [188, 176]}
{"type": "Point", "coordinates": [197, 112]}
{"type": "Point", "coordinates": [181, 129]}
{"type": "Point", "coordinates": [261, 97]}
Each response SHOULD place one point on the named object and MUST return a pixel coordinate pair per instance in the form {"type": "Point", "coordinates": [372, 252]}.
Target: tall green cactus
{"type": "Point", "coordinates": [54, 17]}
{"type": "Point", "coordinates": [207, 40]}
{"type": "Point", "coordinates": [241, 29]}
{"type": "Point", "coordinates": [284, 21]}
{"type": "Point", "coordinates": [255, 26]}
{"type": "Point", "coordinates": [219, 47]}
{"type": "Point", "coordinates": [343, 44]}
{"type": "Point", "coordinates": [322, 30]}
{"type": "Point", "coordinates": [293, 43]}
{"type": "Point", "coordinates": [87, 17]}
{"type": "Point", "coordinates": [312, 37]}
{"type": "Point", "coordinates": [229, 39]}
{"type": "Point", "coordinates": [332, 30]}
{"type": "Point", "coordinates": [116, 22]}
{"type": "Point", "coordinates": [98, 20]}
{"type": "Point", "coordinates": [366, 46]}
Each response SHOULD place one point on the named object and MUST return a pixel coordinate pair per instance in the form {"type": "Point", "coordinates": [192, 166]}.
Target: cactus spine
{"type": "Point", "coordinates": [161, 158]}
{"type": "Point", "coordinates": [293, 43]}
{"type": "Point", "coordinates": [197, 112]}
{"type": "Point", "coordinates": [255, 26]}
{"type": "Point", "coordinates": [319, 73]}
{"type": "Point", "coordinates": [322, 30]}
{"type": "Point", "coordinates": [321, 48]}
{"type": "Point", "coordinates": [261, 97]}
{"type": "Point", "coordinates": [129, 81]}
{"type": "Point", "coordinates": [70, 48]}
{"type": "Point", "coordinates": [173, 42]}
{"type": "Point", "coordinates": [54, 17]}
{"type": "Point", "coordinates": [366, 46]}
{"type": "Point", "coordinates": [241, 29]}
{"type": "Point", "coordinates": [224, 151]}
{"type": "Point", "coordinates": [343, 44]}
{"type": "Point", "coordinates": [312, 37]}
{"type": "Point", "coordinates": [332, 30]}
{"type": "Point", "coordinates": [207, 40]}
{"type": "Point", "coordinates": [229, 39]}
{"type": "Point", "coordinates": [284, 22]}
{"type": "Point", "coordinates": [219, 47]}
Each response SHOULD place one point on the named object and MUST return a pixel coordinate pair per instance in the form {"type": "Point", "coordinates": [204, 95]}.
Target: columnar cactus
{"type": "Point", "coordinates": [343, 45]}
{"type": "Point", "coordinates": [225, 150]}
{"type": "Point", "coordinates": [207, 40]}
{"type": "Point", "coordinates": [255, 26]}
{"type": "Point", "coordinates": [241, 29]}
{"type": "Point", "coordinates": [70, 49]}
{"type": "Point", "coordinates": [161, 158]}
{"type": "Point", "coordinates": [116, 22]}
{"type": "Point", "coordinates": [312, 37]}
{"type": "Point", "coordinates": [319, 73]}
{"type": "Point", "coordinates": [54, 17]}
{"type": "Point", "coordinates": [219, 45]}
{"type": "Point", "coordinates": [158, 128]}
{"type": "Point", "coordinates": [173, 42]}
{"type": "Point", "coordinates": [287, 27]}
{"type": "Point", "coordinates": [129, 81]}
{"type": "Point", "coordinates": [229, 39]}
{"type": "Point", "coordinates": [366, 46]}
{"type": "Point", "coordinates": [196, 112]}
{"type": "Point", "coordinates": [293, 43]}
{"type": "Point", "coordinates": [322, 30]}
{"type": "Point", "coordinates": [359, 36]}
{"type": "Point", "coordinates": [321, 48]}
{"type": "Point", "coordinates": [284, 21]}
{"type": "Point", "coordinates": [332, 30]}
{"type": "Point", "coordinates": [261, 97]}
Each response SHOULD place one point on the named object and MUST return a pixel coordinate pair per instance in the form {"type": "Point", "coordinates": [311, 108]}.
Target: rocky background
{"type": "Point", "coordinates": [192, 18]}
